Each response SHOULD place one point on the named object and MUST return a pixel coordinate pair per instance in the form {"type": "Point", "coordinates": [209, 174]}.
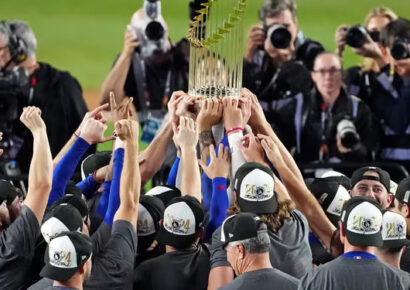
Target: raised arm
{"type": "Point", "coordinates": [115, 80]}
{"type": "Point", "coordinates": [186, 136]}
{"type": "Point", "coordinates": [301, 196]}
{"type": "Point", "coordinates": [41, 167]}
{"type": "Point", "coordinates": [130, 184]}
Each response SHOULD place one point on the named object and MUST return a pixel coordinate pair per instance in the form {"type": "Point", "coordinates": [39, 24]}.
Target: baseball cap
{"type": "Point", "coordinates": [93, 162]}
{"type": "Point", "coordinates": [403, 191]}
{"type": "Point", "coordinates": [360, 174]}
{"type": "Point", "coordinates": [239, 227]}
{"type": "Point", "coordinates": [165, 193]}
{"type": "Point", "coordinates": [62, 218]}
{"type": "Point", "coordinates": [150, 212]}
{"type": "Point", "coordinates": [8, 191]}
{"type": "Point", "coordinates": [65, 254]}
{"type": "Point", "coordinates": [183, 219]}
{"type": "Point", "coordinates": [254, 185]}
{"type": "Point", "coordinates": [394, 230]}
{"type": "Point", "coordinates": [76, 201]}
{"type": "Point", "coordinates": [362, 220]}
{"type": "Point", "coordinates": [331, 196]}
{"type": "Point", "coordinates": [393, 187]}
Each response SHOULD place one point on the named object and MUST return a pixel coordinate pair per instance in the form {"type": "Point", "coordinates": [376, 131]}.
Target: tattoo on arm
{"type": "Point", "coordinates": [205, 139]}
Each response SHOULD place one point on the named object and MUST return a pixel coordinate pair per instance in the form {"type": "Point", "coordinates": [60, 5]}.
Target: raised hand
{"type": "Point", "coordinates": [232, 114]}
{"type": "Point", "coordinates": [340, 38]}
{"type": "Point", "coordinates": [31, 118]}
{"type": "Point", "coordinates": [186, 135]}
{"type": "Point", "coordinates": [93, 132]}
{"type": "Point", "coordinates": [130, 42]}
{"type": "Point", "coordinates": [94, 114]}
{"type": "Point", "coordinates": [271, 149]}
{"type": "Point", "coordinates": [256, 38]}
{"type": "Point", "coordinates": [219, 165]}
{"type": "Point", "coordinates": [127, 130]}
{"type": "Point", "coordinates": [173, 104]}
{"type": "Point", "coordinates": [245, 104]}
{"type": "Point", "coordinates": [122, 111]}
{"type": "Point", "coordinates": [210, 114]}
{"type": "Point", "coordinates": [257, 118]}
{"type": "Point", "coordinates": [187, 107]}
{"type": "Point", "coordinates": [251, 149]}
{"type": "Point", "coordinates": [369, 49]}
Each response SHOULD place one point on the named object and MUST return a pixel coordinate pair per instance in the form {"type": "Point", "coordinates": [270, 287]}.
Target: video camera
{"type": "Point", "coordinates": [400, 49]}
{"type": "Point", "coordinates": [150, 29]}
{"type": "Point", "coordinates": [14, 95]}
{"type": "Point", "coordinates": [356, 36]}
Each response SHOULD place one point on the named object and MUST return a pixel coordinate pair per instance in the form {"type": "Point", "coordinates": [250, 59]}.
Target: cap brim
{"type": "Point", "coordinates": [396, 243]}
{"type": "Point", "coordinates": [57, 274]}
{"type": "Point", "coordinates": [361, 240]}
{"type": "Point", "coordinates": [177, 241]}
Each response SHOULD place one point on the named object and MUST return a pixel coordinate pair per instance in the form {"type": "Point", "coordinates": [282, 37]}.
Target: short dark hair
{"type": "Point", "coordinates": [399, 28]}
{"type": "Point", "coordinates": [272, 8]}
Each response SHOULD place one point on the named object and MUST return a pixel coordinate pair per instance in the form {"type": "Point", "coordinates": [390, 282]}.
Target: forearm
{"type": "Point", "coordinates": [205, 140]}
{"type": "Point", "coordinates": [236, 155]}
{"type": "Point", "coordinates": [172, 177]}
{"type": "Point", "coordinates": [191, 178]}
{"type": "Point", "coordinates": [156, 152]}
{"type": "Point", "coordinates": [88, 186]}
{"type": "Point", "coordinates": [40, 175]}
{"type": "Point", "coordinates": [103, 203]}
{"type": "Point", "coordinates": [308, 205]}
{"type": "Point", "coordinates": [64, 150]}
{"type": "Point", "coordinates": [116, 79]}
{"type": "Point", "coordinates": [65, 169]}
{"type": "Point", "coordinates": [219, 204]}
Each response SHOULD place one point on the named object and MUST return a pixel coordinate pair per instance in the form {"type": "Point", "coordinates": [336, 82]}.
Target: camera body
{"type": "Point", "coordinates": [356, 36]}
{"type": "Point", "coordinates": [278, 35]}
{"type": "Point", "coordinates": [150, 29]}
{"type": "Point", "coordinates": [400, 49]}
{"type": "Point", "coordinates": [348, 133]}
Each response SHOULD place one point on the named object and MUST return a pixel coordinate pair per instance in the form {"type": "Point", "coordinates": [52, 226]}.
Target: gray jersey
{"type": "Point", "coordinates": [352, 274]}
{"type": "Point", "coordinates": [17, 245]}
{"type": "Point", "coordinates": [289, 251]}
{"type": "Point", "coordinates": [264, 279]}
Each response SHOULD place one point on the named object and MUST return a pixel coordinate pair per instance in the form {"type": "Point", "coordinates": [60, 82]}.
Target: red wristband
{"type": "Point", "coordinates": [233, 129]}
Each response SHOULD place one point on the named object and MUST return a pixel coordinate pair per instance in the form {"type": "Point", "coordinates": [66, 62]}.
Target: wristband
{"type": "Point", "coordinates": [234, 129]}
{"type": "Point", "coordinates": [75, 134]}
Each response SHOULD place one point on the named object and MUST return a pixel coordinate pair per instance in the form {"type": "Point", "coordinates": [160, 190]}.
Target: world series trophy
{"type": "Point", "coordinates": [217, 40]}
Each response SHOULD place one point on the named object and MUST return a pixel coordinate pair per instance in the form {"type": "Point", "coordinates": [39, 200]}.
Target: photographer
{"type": "Point", "coordinates": [278, 56]}
{"type": "Point", "coordinates": [55, 92]}
{"type": "Point", "coordinates": [150, 67]}
{"type": "Point", "coordinates": [330, 124]}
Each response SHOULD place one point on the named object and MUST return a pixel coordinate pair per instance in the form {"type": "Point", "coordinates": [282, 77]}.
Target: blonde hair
{"type": "Point", "coordinates": [273, 220]}
{"type": "Point", "coordinates": [370, 64]}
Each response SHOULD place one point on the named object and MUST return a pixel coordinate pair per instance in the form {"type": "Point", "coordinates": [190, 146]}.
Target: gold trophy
{"type": "Point", "coordinates": [216, 58]}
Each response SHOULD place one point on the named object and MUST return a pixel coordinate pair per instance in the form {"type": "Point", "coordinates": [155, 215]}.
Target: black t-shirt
{"type": "Point", "coordinates": [263, 279]}
{"type": "Point", "coordinates": [17, 244]}
{"type": "Point", "coordinates": [59, 96]}
{"type": "Point", "coordinates": [113, 265]}
{"type": "Point", "coordinates": [182, 269]}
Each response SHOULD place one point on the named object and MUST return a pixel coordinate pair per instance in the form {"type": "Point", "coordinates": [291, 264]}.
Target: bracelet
{"type": "Point", "coordinates": [75, 134]}
{"type": "Point", "coordinates": [233, 129]}
{"type": "Point", "coordinates": [96, 179]}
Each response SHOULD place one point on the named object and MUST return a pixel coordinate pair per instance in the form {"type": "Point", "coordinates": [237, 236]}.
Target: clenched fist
{"type": "Point", "coordinates": [127, 130]}
{"type": "Point", "coordinates": [93, 132]}
{"type": "Point", "coordinates": [31, 118]}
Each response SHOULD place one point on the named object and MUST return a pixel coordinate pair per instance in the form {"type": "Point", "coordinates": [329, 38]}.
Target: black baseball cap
{"type": "Point", "coordinates": [65, 254]}
{"type": "Point", "coordinates": [362, 219]}
{"type": "Point", "coordinates": [64, 217]}
{"type": "Point", "coordinates": [76, 201]}
{"type": "Point", "coordinates": [150, 212]}
{"type": "Point", "coordinates": [8, 191]}
{"type": "Point", "coordinates": [360, 174]}
{"type": "Point", "coordinates": [331, 196]}
{"type": "Point", "coordinates": [183, 218]}
{"type": "Point", "coordinates": [394, 230]}
{"type": "Point", "coordinates": [165, 193]}
{"type": "Point", "coordinates": [403, 191]}
{"type": "Point", "coordinates": [239, 227]}
{"type": "Point", "coordinates": [254, 185]}
{"type": "Point", "coordinates": [94, 161]}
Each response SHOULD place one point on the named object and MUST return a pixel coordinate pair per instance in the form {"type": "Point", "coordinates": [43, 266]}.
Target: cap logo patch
{"type": "Point", "coordinates": [179, 219]}
{"type": "Point", "coordinates": [61, 258]}
{"type": "Point", "coordinates": [364, 219]}
{"type": "Point", "coordinates": [406, 196]}
{"type": "Point", "coordinates": [322, 198]}
{"type": "Point", "coordinates": [62, 253]}
{"type": "Point", "coordinates": [394, 230]}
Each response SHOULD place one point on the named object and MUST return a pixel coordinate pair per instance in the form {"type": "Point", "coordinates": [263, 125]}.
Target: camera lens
{"type": "Point", "coordinates": [279, 36]}
{"type": "Point", "coordinates": [356, 36]}
{"type": "Point", "coordinates": [347, 132]}
{"type": "Point", "coordinates": [400, 50]}
{"type": "Point", "coordinates": [155, 30]}
{"type": "Point", "coordinates": [375, 35]}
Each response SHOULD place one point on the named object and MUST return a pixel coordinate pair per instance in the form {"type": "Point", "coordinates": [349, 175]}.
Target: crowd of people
{"type": "Point", "coordinates": [234, 211]}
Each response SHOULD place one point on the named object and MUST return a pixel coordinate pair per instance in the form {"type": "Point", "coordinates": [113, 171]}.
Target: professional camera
{"type": "Point", "coordinates": [14, 95]}
{"type": "Point", "coordinates": [356, 36]}
{"type": "Point", "coordinates": [348, 134]}
{"type": "Point", "coordinates": [400, 49]}
{"type": "Point", "coordinates": [279, 36]}
{"type": "Point", "coordinates": [150, 29]}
